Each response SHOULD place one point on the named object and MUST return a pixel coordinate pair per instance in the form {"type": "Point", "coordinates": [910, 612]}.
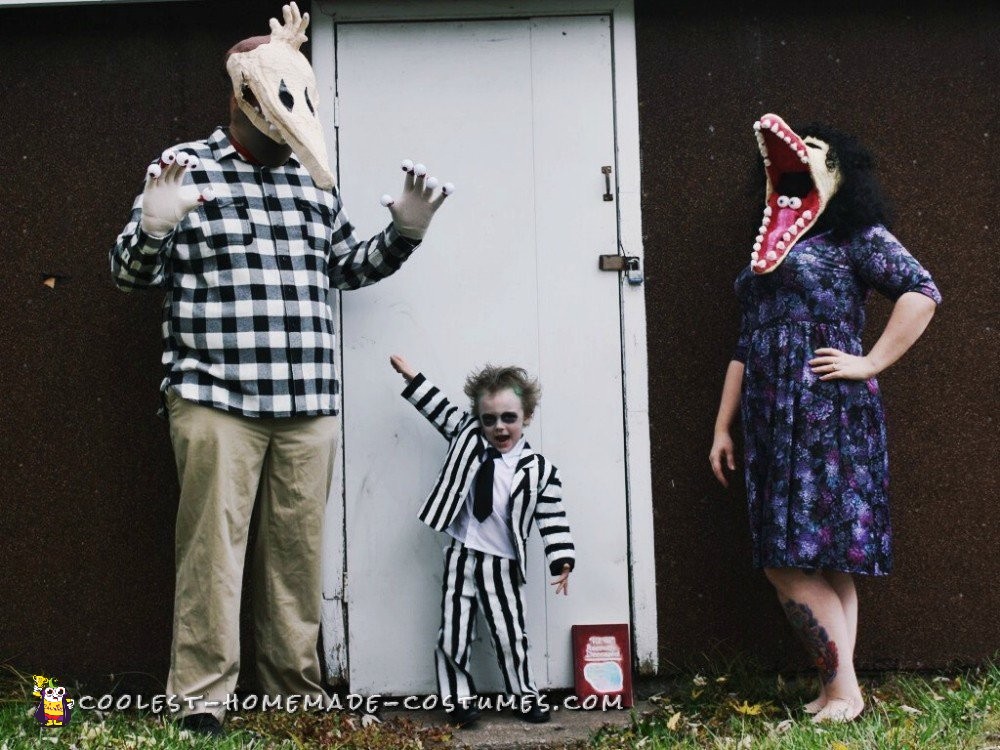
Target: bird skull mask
{"type": "Point", "coordinates": [275, 88]}
{"type": "Point", "coordinates": [802, 177]}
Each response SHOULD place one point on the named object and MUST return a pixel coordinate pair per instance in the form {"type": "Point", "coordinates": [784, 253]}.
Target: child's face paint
{"type": "Point", "coordinates": [502, 435]}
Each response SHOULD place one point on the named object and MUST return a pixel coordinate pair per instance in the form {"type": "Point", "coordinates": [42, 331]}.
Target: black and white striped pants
{"type": "Point", "coordinates": [474, 579]}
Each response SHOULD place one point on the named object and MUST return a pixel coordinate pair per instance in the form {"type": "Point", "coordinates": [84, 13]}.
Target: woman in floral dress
{"type": "Point", "coordinates": [815, 455]}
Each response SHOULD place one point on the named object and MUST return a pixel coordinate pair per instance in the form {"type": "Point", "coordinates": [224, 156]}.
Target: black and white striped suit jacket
{"type": "Point", "coordinates": [536, 490]}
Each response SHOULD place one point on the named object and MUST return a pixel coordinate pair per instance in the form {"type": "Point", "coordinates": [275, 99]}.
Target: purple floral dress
{"type": "Point", "coordinates": [817, 470]}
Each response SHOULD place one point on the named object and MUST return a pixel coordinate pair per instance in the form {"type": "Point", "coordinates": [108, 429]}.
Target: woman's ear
{"type": "Point", "coordinates": [527, 419]}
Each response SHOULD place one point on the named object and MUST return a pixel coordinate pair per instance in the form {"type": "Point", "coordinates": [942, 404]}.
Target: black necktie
{"type": "Point", "coordinates": [482, 496]}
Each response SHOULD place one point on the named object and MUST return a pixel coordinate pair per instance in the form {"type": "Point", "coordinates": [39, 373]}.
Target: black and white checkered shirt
{"type": "Point", "coordinates": [246, 323]}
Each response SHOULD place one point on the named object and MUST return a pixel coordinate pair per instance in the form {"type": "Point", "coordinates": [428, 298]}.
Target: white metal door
{"type": "Point", "coordinates": [519, 115]}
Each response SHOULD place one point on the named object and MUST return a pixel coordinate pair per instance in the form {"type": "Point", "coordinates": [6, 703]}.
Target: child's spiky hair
{"type": "Point", "coordinates": [493, 378]}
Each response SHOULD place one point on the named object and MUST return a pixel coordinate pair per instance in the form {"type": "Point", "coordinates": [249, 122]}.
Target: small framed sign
{"type": "Point", "coordinates": [602, 663]}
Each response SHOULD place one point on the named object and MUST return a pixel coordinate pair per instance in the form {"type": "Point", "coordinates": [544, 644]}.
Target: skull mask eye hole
{"type": "Point", "coordinates": [286, 96]}
{"type": "Point", "coordinates": [309, 103]}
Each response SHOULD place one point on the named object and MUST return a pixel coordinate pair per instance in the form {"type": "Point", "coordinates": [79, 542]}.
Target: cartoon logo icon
{"type": "Point", "coordinates": [56, 709]}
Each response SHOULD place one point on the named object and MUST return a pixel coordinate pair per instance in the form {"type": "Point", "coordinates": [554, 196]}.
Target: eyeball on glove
{"type": "Point", "coordinates": [413, 210]}
{"type": "Point", "coordinates": [166, 200]}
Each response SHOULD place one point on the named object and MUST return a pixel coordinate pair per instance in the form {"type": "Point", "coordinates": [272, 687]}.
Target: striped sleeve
{"type": "Point", "coordinates": [355, 263]}
{"type": "Point", "coordinates": [553, 525]}
{"type": "Point", "coordinates": [435, 406]}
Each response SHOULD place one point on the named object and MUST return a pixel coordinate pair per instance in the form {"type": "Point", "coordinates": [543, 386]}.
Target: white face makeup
{"type": "Point", "coordinates": [284, 97]}
{"type": "Point", "coordinates": [502, 419]}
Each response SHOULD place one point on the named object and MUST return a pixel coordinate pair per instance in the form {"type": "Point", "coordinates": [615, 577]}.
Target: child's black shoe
{"type": "Point", "coordinates": [534, 713]}
{"type": "Point", "coordinates": [463, 717]}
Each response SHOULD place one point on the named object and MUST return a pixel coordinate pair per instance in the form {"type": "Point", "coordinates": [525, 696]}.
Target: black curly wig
{"type": "Point", "coordinates": [859, 201]}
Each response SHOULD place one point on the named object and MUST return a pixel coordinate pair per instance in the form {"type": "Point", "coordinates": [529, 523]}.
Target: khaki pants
{"type": "Point", "coordinates": [224, 462]}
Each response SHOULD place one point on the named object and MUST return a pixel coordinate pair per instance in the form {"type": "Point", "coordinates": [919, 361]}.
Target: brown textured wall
{"type": "Point", "coordinates": [91, 94]}
{"type": "Point", "coordinates": [920, 89]}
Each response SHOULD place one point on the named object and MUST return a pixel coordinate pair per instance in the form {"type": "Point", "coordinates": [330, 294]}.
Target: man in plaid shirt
{"type": "Point", "coordinates": [247, 246]}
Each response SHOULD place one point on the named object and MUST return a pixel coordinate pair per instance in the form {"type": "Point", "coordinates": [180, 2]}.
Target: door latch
{"type": "Point", "coordinates": [627, 263]}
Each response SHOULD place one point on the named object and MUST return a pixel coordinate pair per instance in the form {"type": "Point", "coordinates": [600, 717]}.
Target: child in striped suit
{"type": "Point", "coordinates": [491, 488]}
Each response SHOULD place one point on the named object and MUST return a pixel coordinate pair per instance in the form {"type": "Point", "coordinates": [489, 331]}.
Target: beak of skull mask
{"type": "Point", "coordinates": [283, 105]}
{"type": "Point", "coordinates": [802, 177]}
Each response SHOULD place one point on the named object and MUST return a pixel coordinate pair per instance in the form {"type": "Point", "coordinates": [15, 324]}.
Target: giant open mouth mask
{"type": "Point", "coordinates": [802, 177]}
{"type": "Point", "coordinates": [283, 87]}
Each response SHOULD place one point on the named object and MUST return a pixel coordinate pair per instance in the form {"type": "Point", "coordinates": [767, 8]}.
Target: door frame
{"type": "Point", "coordinates": [638, 482]}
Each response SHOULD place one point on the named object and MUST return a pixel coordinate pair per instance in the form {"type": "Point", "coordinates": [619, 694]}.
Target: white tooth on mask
{"type": "Point", "coordinates": [771, 255]}
{"type": "Point", "coordinates": [781, 245]}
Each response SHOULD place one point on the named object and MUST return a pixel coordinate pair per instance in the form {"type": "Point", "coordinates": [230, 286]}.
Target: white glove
{"type": "Point", "coordinates": [165, 198]}
{"type": "Point", "coordinates": [413, 210]}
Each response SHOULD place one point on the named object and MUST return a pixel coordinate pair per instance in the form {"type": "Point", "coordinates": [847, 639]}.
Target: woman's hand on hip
{"type": "Point", "coordinates": [722, 457]}
{"type": "Point", "coordinates": [833, 364]}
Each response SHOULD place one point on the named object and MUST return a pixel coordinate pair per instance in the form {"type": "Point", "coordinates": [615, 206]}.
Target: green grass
{"type": "Point", "coordinates": [736, 707]}
{"type": "Point", "coordinates": [744, 709]}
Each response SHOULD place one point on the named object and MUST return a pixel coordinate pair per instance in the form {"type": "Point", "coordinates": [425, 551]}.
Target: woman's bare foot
{"type": "Point", "coordinates": [815, 706]}
{"type": "Point", "coordinates": [840, 710]}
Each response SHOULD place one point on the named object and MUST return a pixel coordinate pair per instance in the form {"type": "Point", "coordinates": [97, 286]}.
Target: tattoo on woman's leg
{"type": "Point", "coordinates": [817, 642]}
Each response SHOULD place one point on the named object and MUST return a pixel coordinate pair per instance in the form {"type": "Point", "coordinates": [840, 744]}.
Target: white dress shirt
{"type": "Point", "coordinates": [492, 535]}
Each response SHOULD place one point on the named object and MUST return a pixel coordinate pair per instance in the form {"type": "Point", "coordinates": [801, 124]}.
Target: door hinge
{"type": "Point", "coordinates": [627, 263]}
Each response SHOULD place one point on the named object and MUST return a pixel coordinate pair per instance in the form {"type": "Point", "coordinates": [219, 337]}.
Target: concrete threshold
{"type": "Point", "coordinates": [501, 730]}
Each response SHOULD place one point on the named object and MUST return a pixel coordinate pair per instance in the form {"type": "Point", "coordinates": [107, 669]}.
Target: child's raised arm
{"type": "Point", "coordinates": [429, 400]}
{"type": "Point", "coordinates": [400, 365]}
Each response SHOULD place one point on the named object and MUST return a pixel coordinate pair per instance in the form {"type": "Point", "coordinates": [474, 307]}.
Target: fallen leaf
{"type": "Point", "coordinates": [784, 726]}
{"type": "Point", "coordinates": [911, 710]}
{"type": "Point", "coordinates": [839, 746]}
{"type": "Point", "coordinates": [675, 720]}
{"type": "Point", "coordinates": [746, 709]}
